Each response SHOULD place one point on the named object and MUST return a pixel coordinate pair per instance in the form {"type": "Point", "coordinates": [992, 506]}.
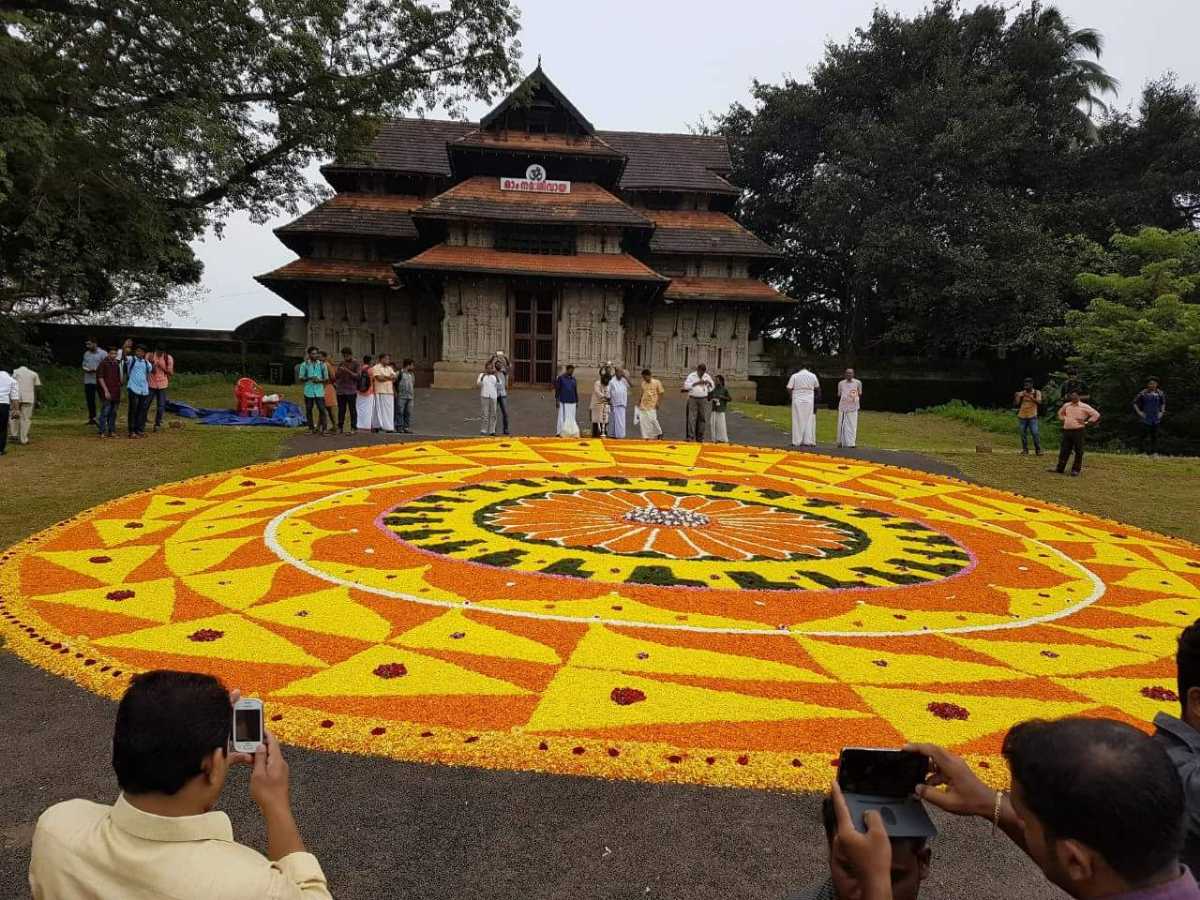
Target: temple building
{"type": "Point", "coordinates": [533, 233]}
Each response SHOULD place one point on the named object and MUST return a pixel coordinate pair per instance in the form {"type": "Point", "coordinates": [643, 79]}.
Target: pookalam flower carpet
{"type": "Point", "coordinates": [646, 610]}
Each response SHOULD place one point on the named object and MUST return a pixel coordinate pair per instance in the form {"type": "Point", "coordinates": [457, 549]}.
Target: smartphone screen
{"type": "Point", "coordinates": [883, 773]}
{"type": "Point", "coordinates": [248, 725]}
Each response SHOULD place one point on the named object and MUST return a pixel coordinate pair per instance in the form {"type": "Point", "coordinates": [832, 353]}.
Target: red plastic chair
{"type": "Point", "coordinates": [249, 397]}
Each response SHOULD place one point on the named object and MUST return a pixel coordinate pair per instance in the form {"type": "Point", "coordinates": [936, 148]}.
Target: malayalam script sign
{"type": "Point", "coordinates": [535, 182]}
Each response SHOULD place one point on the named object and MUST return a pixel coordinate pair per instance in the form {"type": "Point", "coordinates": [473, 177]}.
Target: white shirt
{"type": "Point", "coordinates": [698, 385]}
{"type": "Point", "coordinates": [618, 392]}
{"type": "Point", "coordinates": [488, 385]}
{"type": "Point", "coordinates": [28, 381]}
{"type": "Point", "coordinates": [803, 383]}
{"type": "Point", "coordinates": [88, 851]}
{"type": "Point", "coordinates": [849, 394]}
{"type": "Point", "coordinates": [10, 390]}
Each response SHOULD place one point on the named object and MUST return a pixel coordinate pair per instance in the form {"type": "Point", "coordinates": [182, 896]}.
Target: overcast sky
{"type": "Point", "coordinates": [661, 65]}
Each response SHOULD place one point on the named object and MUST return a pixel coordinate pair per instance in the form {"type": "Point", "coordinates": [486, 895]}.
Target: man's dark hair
{"type": "Point", "coordinates": [570, 368]}
{"type": "Point", "coordinates": [407, 362]}
{"type": "Point", "coordinates": [312, 348]}
{"type": "Point", "coordinates": [366, 357]}
{"type": "Point", "coordinates": [346, 351]}
{"type": "Point", "coordinates": [1103, 783]}
{"type": "Point", "coordinates": [829, 820]}
{"type": "Point", "coordinates": [167, 724]}
{"type": "Point", "coordinates": [1187, 661]}
{"type": "Point", "coordinates": [1029, 381]}
{"type": "Point", "coordinates": [647, 372]}
{"type": "Point", "coordinates": [1152, 380]}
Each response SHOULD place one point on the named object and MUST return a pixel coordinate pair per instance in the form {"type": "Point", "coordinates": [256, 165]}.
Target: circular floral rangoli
{"type": "Point", "coordinates": [702, 613]}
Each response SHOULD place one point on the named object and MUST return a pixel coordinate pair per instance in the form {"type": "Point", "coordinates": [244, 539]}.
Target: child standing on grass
{"type": "Point", "coordinates": [1075, 416]}
{"type": "Point", "coordinates": [721, 399]}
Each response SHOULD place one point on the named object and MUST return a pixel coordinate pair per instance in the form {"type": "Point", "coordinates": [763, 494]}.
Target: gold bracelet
{"type": "Point", "coordinates": [996, 812]}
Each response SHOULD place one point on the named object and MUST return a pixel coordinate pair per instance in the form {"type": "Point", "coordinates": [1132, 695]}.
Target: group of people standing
{"type": "Point", "coordinates": [369, 395]}
{"type": "Point", "coordinates": [608, 407]}
{"type": "Point", "coordinates": [805, 390]}
{"type": "Point", "coordinates": [130, 370]}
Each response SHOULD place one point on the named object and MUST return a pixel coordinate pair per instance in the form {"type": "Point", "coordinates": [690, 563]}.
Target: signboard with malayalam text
{"type": "Point", "coordinates": [535, 182]}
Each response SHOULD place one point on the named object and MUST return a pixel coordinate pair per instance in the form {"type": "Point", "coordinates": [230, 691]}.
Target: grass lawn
{"type": "Point", "coordinates": [66, 468]}
{"type": "Point", "coordinates": [1160, 494]}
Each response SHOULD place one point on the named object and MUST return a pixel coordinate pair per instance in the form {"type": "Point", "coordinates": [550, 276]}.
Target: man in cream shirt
{"type": "Point", "coordinates": [805, 390]}
{"type": "Point", "coordinates": [162, 838]}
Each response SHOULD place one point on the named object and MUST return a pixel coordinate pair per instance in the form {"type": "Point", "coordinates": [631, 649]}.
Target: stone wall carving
{"type": "Point", "coordinates": [590, 329]}
{"type": "Point", "coordinates": [474, 319]}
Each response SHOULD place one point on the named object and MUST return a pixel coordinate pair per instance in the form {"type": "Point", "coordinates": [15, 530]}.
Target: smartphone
{"type": "Point", "coordinates": [881, 773]}
{"type": "Point", "coordinates": [247, 725]}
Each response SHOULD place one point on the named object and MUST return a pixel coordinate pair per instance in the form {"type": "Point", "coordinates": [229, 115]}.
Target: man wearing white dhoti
{"type": "Point", "coordinates": [849, 391]}
{"type": "Point", "coordinates": [384, 377]}
{"type": "Point", "coordinates": [364, 402]}
{"type": "Point", "coordinates": [805, 390]}
{"type": "Point", "coordinates": [618, 399]}
{"type": "Point", "coordinates": [647, 408]}
{"type": "Point", "coordinates": [566, 398]}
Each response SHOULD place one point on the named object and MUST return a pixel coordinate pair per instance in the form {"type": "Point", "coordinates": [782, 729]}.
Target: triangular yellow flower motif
{"type": "Point", "coordinates": [197, 529]}
{"type": "Point", "coordinates": [863, 665]}
{"type": "Point", "coordinates": [1031, 603]}
{"type": "Point", "coordinates": [114, 532]}
{"type": "Point", "coordinates": [338, 463]}
{"type": "Point", "coordinates": [428, 455]}
{"type": "Point", "coordinates": [1158, 640]}
{"type": "Point", "coordinates": [601, 608]}
{"type": "Point", "coordinates": [602, 648]}
{"type": "Point", "coordinates": [288, 490]}
{"type": "Point", "coordinates": [516, 451]}
{"type": "Point", "coordinates": [586, 450]}
{"type": "Point", "coordinates": [1160, 581]}
{"type": "Point", "coordinates": [1135, 696]}
{"type": "Point", "coordinates": [190, 557]}
{"type": "Point", "coordinates": [1120, 555]}
{"type": "Point", "coordinates": [1025, 511]}
{"type": "Point", "coordinates": [240, 508]}
{"type": "Point", "coordinates": [240, 483]}
{"type": "Point", "coordinates": [377, 672]}
{"type": "Point", "coordinates": [1177, 563]}
{"type": "Point", "coordinates": [910, 489]}
{"type": "Point", "coordinates": [1057, 533]}
{"type": "Point", "coordinates": [948, 719]}
{"type": "Point", "coordinates": [386, 581]}
{"type": "Point", "coordinates": [227, 636]}
{"type": "Point", "coordinates": [871, 620]}
{"type": "Point", "coordinates": [982, 512]}
{"type": "Point", "coordinates": [110, 566]}
{"type": "Point", "coordinates": [343, 498]}
{"type": "Point", "coordinates": [1040, 658]}
{"type": "Point", "coordinates": [585, 699]}
{"type": "Point", "coordinates": [454, 631]}
{"type": "Point", "coordinates": [742, 460]}
{"type": "Point", "coordinates": [1177, 611]}
{"type": "Point", "coordinates": [683, 453]}
{"type": "Point", "coordinates": [164, 506]}
{"type": "Point", "coordinates": [151, 600]}
{"type": "Point", "coordinates": [1106, 534]}
{"type": "Point", "coordinates": [375, 472]}
{"type": "Point", "coordinates": [329, 612]}
{"type": "Point", "coordinates": [234, 588]}
{"type": "Point", "coordinates": [834, 473]}
{"type": "Point", "coordinates": [297, 537]}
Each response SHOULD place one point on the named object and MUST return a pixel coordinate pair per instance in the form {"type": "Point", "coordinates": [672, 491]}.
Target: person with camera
{"type": "Point", "coordinates": [1028, 402]}
{"type": "Point", "coordinates": [163, 837]}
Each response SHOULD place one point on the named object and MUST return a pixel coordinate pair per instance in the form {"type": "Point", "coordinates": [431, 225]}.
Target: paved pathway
{"type": "Point", "coordinates": [455, 414]}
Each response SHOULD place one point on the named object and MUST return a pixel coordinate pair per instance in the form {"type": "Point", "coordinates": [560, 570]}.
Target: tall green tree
{"type": "Point", "coordinates": [127, 127]}
{"type": "Point", "coordinates": [926, 183]}
{"type": "Point", "coordinates": [1142, 321]}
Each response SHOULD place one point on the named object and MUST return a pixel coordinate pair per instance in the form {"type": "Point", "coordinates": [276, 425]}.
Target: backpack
{"type": "Point", "coordinates": [364, 379]}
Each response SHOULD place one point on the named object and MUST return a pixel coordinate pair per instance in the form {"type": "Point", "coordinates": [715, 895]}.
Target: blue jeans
{"type": "Point", "coordinates": [139, 408]}
{"type": "Point", "coordinates": [502, 405]}
{"type": "Point", "coordinates": [108, 416]}
{"type": "Point", "coordinates": [160, 404]}
{"type": "Point", "coordinates": [1026, 428]}
{"type": "Point", "coordinates": [403, 413]}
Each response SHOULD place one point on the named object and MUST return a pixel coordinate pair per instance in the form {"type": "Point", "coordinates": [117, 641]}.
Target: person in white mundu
{"type": "Point", "coordinates": [805, 390]}
{"type": "Point", "coordinates": [849, 392]}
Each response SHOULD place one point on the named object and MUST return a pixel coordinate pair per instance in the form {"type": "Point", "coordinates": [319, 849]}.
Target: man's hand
{"type": "Point", "coordinates": [869, 854]}
{"type": "Point", "coordinates": [964, 794]}
{"type": "Point", "coordinates": [269, 780]}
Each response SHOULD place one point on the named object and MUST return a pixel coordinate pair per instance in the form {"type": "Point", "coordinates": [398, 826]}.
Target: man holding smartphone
{"type": "Point", "coordinates": [162, 838]}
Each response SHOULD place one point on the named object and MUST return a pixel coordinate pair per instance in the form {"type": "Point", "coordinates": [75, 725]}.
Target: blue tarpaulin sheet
{"type": "Point", "coordinates": [286, 415]}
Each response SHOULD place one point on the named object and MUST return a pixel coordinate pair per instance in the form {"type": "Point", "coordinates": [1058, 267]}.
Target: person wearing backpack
{"type": "Point", "coordinates": [364, 401]}
{"type": "Point", "coordinates": [1028, 402]}
{"type": "Point", "coordinates": [405, 383]}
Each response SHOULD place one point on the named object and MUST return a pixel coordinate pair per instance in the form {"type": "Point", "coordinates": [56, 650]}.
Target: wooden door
{"type": "Point", "coordinates": [533, 353]}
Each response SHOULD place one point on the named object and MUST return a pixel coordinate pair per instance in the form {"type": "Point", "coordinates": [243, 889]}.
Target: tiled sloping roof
{"type": "Point", "coordinates": [735, 289]}
{"type": "Point", "coordinates": [587, 145]}
{"type": "Point", "coordinates": [703, 232]}
{"type": "Point", "coordinates": [415, 146]}
{"type": "Point", "coordinates": [692, 162]}
{"type": "Point", "coordinates": [481, 198]}
{"type": "Point", "coordinates": [353, 270]}
{"type": "Point", "coordinates": [599, 266]}
{"type": "Point", "coordinates": [375, 215]}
